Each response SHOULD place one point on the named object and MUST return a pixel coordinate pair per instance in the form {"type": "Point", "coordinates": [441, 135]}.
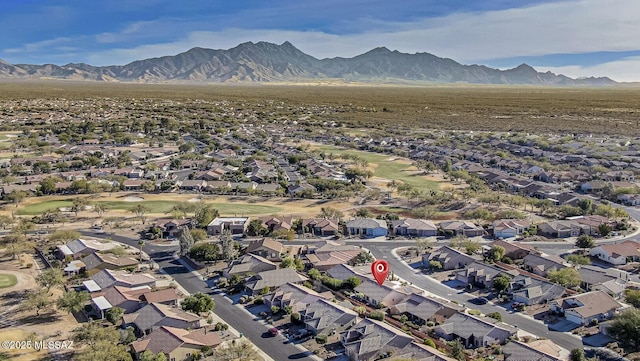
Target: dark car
{"type": "Point", "coordinates": [479, 301]}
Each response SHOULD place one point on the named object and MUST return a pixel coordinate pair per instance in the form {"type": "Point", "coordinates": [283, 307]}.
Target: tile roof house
{"type": "Point", "coordinates": [520, 351]}
{"type": "Point", "coordinates": [156, 315]}
{"type": "Point", "coordinates": [371, 340]}
{"type": "Point", "coordinates": [107, 278]}
{"type": "Point", "coordinates": [176, 343]}
{"type": "Point", "coordinates": [273, 279]}
{"type": "Point", "coordinates": [559, 229]}
{"type": "Point", "coordinates": [509, 228]}
{"type": "Point", "coordinates": [321, 227]}
{"type": "Point", "coordinates": [267, 248]}
{"type": "Point", "coordinates": [421, 309]}
{"type": "Point", "coordinates": [173, 227]}
{"type": "Point", "coordinates": [585, 307]}
{"type": "Point", "coordinates": [450, 258]}
{"type": "Point", "coordinates": [100, 261]}
{"type": "Point", "coordinates": [474, 331]}
{"type": "Point", "coordinates": [480, 274]}
{"type": "Point", "coordinates": [324, 317]}
{"type": "Point", "coordinates": [367, 227]}
{"type": "Point", "coordinates": [541, 264]}
{"type": "Point", "coordinates": [116, 296]}
{"type": "Point", "coordinates": [513, 250]}
{"type": "Point", "coordinates": [414, 228]}
{"type": "Point", "coordinates": [249, 263]}
{"type": "Point", "coordinates": [327, 254]}
{"type": "Point", "coordinates": [277, 223]}
{"type": "Point", "coordinates": [617, 253]}
{"type": "Point", "coordinates": [461, 228]}
{"type": "Point", "coordinates": [294, 295]}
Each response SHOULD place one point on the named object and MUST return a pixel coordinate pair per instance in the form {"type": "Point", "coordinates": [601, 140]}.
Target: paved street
{"type": "Point", "coordinates": [241, 321]}
{"type": "Point", "coordinates": [527, 324]}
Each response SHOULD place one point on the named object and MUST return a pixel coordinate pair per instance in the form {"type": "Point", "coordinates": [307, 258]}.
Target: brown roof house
{"type": "Point", "coordinates": [509, 228]}
{"type": "Point", "coordinates": [513, 250]}
{"type": "Point", "coordinates": [328, 254]}
{"type": "Point", "coordinates": [520, 351]}
{"type": "Point", "coordinates": [126, 298]}
{"type": "Point", "coordinates": [559, 229]}
{"type": "Point", "coordinates": [173, 227]}
{"type": "Point", "coordinates": [156, 315]}
{"type": "Point", "coordinates": [617, 253]}
{"type": "Point", "coordinates": [583, 308]}
{"type": "Point", "coordinates": [176, 343]}
{"type": "Point", "coordinates": [461, 228]}
{"type": "Point", "coordinates": [101, 261]}
{"type": "Point", "coordinates": [267, 248]}
{"type": "Point", "coordinates": [275, 223]}
{"type": "Point", "coordinates": [321, 226]}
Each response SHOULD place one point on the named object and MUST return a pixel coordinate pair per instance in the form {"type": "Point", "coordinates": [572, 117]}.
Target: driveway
{"type": "Point", "coordinates": [563, 326]}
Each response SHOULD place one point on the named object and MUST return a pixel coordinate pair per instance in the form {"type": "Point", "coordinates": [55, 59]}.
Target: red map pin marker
{"type": "Point", "coordinates": [380, 270]}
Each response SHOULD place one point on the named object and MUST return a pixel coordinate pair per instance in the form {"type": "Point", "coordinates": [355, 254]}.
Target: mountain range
{"type": "Point", "coordinates": [268, 62]}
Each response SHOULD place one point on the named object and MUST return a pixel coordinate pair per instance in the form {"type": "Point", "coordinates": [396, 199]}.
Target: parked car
{"type": "Point", "coordinates": [273, 331]}
{"type": "Point", "coordinates": [301, 334]}
{"type": "Point", "coordinates": [479, 301]}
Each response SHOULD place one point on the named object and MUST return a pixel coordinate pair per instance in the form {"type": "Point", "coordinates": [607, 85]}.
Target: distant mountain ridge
{"type": "Point", "coordinates": [268, 62]}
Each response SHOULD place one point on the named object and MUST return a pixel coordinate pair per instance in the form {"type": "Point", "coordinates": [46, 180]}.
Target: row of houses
{"type": "Point", "coordinates": [412, 227]}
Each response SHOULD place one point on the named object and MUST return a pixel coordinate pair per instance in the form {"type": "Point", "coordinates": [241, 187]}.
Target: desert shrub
{"type": "Point", "coordinates": [377, 315]}
{"type": "Point", "coordinates": [321, 339]}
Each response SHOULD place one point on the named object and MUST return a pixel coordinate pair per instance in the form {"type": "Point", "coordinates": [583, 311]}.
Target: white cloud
{"type": "Point", "coordinates": [571, 26]}
{"type": "Point", "coordinates": [624, 70]}
{"type": "Point", "coordinates": [38, 46]}
{"type": "Point", "coordinates": [130, 30]}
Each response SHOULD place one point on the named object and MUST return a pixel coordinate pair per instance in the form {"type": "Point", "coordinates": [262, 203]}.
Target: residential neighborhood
{"type": "Point", "coordinates": [197, 230]}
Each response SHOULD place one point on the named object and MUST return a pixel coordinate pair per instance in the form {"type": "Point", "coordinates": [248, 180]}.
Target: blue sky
{"type": "Point", "coordinates": [573, 37]}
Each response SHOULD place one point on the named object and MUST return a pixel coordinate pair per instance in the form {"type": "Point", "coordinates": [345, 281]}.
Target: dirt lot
{"type": "Point", "coordinates": [24, 325]}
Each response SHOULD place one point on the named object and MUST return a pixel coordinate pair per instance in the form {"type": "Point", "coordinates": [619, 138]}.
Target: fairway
{"type": "Point", "coordinates": [154, 207]}
{"type": "Point", "coordinates": [7, 280]}
{"type": "Point", "coordinates": [387, 167]}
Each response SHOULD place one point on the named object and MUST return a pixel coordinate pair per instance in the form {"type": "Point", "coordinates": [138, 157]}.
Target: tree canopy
{"type": "Point", "coordinates": [198, 303]}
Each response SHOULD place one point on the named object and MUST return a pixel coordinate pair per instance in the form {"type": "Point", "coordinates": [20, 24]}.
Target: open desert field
{"type": "Point", "coordinates": [535, 109]}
